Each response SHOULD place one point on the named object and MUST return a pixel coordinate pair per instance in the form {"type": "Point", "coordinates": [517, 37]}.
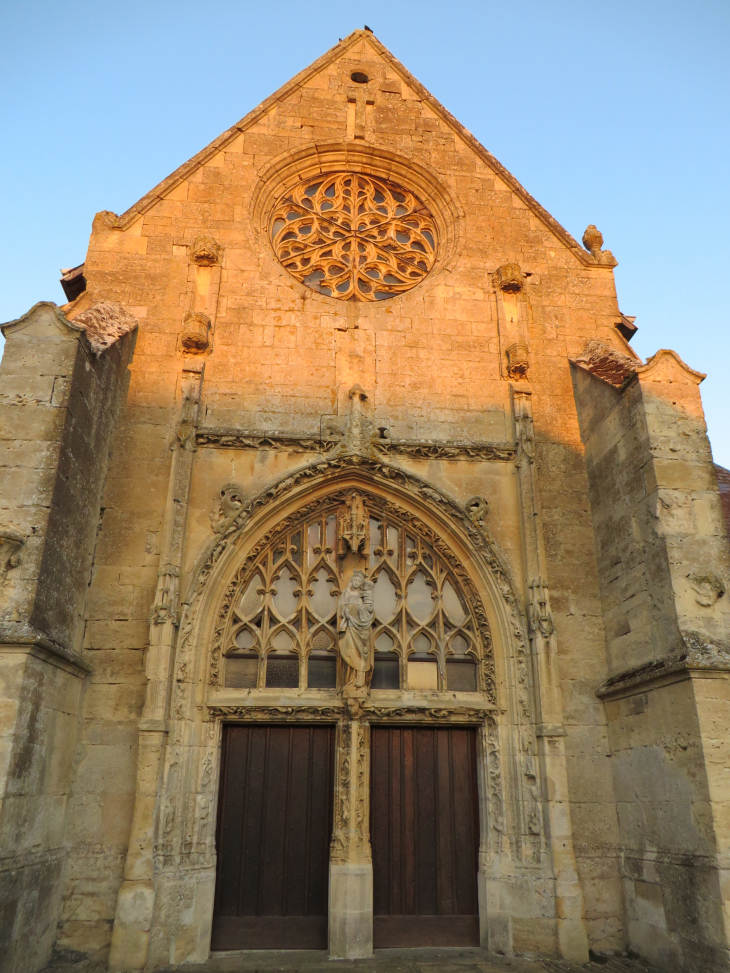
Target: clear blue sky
{"type": "Point", "coordinates": [613, 113]}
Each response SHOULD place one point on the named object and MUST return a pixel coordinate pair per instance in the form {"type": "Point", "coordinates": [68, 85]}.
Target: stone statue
{"type": "Point", "coordinates": [355, 615]}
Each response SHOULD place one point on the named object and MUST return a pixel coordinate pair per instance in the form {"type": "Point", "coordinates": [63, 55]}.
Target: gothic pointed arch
{"type": "Point", "coordinates": [455, 535]}
{"type": "Point", "coordinates": [277, 622]}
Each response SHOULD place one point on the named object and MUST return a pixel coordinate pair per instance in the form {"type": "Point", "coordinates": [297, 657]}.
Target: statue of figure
{"type": "Point", "coordinates": [355, 615]}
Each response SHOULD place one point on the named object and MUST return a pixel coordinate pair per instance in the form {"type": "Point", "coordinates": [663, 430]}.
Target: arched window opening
{"type": "Point", "coordinates": [281, 631]}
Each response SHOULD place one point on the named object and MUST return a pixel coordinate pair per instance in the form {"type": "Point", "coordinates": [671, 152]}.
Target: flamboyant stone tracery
{"type": "Point", "coordinates": [354, 237]}
{"type": "Point", "coordinates": [285, 630]}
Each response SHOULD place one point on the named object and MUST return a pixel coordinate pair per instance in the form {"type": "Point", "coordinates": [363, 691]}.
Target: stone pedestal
{"type": "Point", "coordinates": [350, 911]}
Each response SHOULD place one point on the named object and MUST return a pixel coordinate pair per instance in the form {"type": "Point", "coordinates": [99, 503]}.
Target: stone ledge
{"type": "Point", "coordinates": [24, 639]}
{"type": "Point", "coordinates": [702, 659]}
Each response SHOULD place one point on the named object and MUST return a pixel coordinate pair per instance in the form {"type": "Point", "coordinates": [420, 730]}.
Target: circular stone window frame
{"type": "Point", "coordinates": [304, 165]}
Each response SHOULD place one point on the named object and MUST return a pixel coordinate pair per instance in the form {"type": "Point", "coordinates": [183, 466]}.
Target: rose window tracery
{"type": "Point", "coordinates": [354, 237]}
{"type": "Point", "coordinates": [280, 626]}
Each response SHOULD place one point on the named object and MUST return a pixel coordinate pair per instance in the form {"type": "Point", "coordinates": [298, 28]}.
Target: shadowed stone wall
{"type": "Point", "coordinates": [59, 399]}
{"type": "Point", "coordinates": [663, 567]}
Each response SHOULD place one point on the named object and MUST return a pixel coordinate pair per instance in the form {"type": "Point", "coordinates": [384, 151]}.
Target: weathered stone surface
{"type": "Point", "coordinates": [50, 493]}
{"type": "Point", "coordinates": [576, 507]}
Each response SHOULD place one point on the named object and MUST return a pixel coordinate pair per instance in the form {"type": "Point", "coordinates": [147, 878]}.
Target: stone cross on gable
{"type": "Point", "coordinates": [358, 99]}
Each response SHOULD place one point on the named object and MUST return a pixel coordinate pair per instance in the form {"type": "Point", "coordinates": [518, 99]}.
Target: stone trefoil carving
{"type": "Point", "coordinates": [355, 617]}
{"type": "Point", "coordinates": [354, 237]}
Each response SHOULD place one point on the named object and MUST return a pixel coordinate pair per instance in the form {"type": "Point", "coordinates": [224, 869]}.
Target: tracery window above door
{"type": "Point", "coordinates": [354, 237]}
{"type": "Point", "coordinates": [279, 625]}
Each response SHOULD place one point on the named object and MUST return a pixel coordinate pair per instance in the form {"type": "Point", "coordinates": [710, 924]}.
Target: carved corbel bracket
{"type": "Point", "coordinates": [195, 334]}
{"type": "Point", "coordinates": [205, 251]}
{"type": "Point", "coordinates": [10, 557]}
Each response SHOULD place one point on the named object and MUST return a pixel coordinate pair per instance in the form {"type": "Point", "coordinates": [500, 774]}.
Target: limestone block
{"type": "Point", "coordinates": [350, 911]}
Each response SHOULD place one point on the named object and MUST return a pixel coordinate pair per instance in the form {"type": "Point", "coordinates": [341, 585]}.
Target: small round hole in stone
{"type": "Point", "coordinates": [359, 77]}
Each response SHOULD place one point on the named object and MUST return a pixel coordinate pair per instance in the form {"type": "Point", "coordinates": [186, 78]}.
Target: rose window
{"type": "Point", "coordinates": [354, 237]}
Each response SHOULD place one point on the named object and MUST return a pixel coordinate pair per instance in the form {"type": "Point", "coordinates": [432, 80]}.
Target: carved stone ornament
{"type": "Point", "coordinates": [353, 527]}
{"type": "Point", "coordinates": [10, 545]}
{"type": "Point", "coordinates": [477, 508]}
{"type": "Point", "coordinates": [508, 278]}
{"type": "Point", "coordinates": [707, 588]}
{"type": "Point", "coordinates": [593, 242]}
{"type": "Point", "coordinates": [195, 334]}
{"type": "Point", "coordinates": [425, 449]}
{"type": "Point", "coordinates": [518, 361]}
{"type": "Point", "coordinates": [355, 616]}
{"type": "Point", "coordinates": [593, 239]}
{"type": "Point", "coordinates": [204, 251]}
{"type": "Point", "coordinates": [332, 439]}
{"type": "Point", "coordinates": [227, 505]}
{"type": "Point", "coordinates": [354, 237]}
{"type": "Point", "coordinates": [540, 616]}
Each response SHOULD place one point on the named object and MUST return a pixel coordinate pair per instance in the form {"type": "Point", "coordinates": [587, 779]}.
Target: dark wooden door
{"type": "Point", "coordinates": [274, 831]}
{"type": "Point", "coordinates": [425, 836]}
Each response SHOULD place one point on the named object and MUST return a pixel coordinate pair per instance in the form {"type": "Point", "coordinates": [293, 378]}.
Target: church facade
{"type": "Point", "coordinates": [360, 586]}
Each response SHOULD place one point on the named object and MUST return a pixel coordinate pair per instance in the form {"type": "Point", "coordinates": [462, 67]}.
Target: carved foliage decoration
{"type": "Point", "coordinates": [194, 337]}
{"type": "Point", "coordinates": [227, 505]}
{"type": "Point", "coordinates": [204, 251]}
{"type": "Point", "coordinates": [354, 237]}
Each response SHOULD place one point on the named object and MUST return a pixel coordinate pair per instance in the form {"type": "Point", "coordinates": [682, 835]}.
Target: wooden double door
{"type": "Point", "coordinates": [275, 826]}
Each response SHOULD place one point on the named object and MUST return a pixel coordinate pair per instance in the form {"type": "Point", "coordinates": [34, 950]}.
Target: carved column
{"type": "Point", "coordinates": [351, 867]}
{"type": "Point", "coordinates": [569, 905]}
{"type": "Point", "coordinates": [135, 903]}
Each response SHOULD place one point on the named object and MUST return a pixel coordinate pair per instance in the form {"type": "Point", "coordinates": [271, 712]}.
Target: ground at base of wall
{"type": "Point", "coordinates": [383, 961]}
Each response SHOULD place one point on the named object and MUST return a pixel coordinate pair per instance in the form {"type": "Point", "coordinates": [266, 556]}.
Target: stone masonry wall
{"type": "Point", "coordinates": [59, 400]}
{"type": "Point", "coordinates": [663, 569]}
{"type": "Point", "coordinates": [284, 358]}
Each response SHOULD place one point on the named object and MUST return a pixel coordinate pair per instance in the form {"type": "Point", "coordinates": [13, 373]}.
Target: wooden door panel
{"type": "Point", "coordinates": [425, 836]}
{"type": "Point", "coordinates": [274, 830]}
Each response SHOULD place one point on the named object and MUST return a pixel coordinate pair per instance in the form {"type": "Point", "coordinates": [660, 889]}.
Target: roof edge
{"type": "Point", "coordinates": [187, 168]}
